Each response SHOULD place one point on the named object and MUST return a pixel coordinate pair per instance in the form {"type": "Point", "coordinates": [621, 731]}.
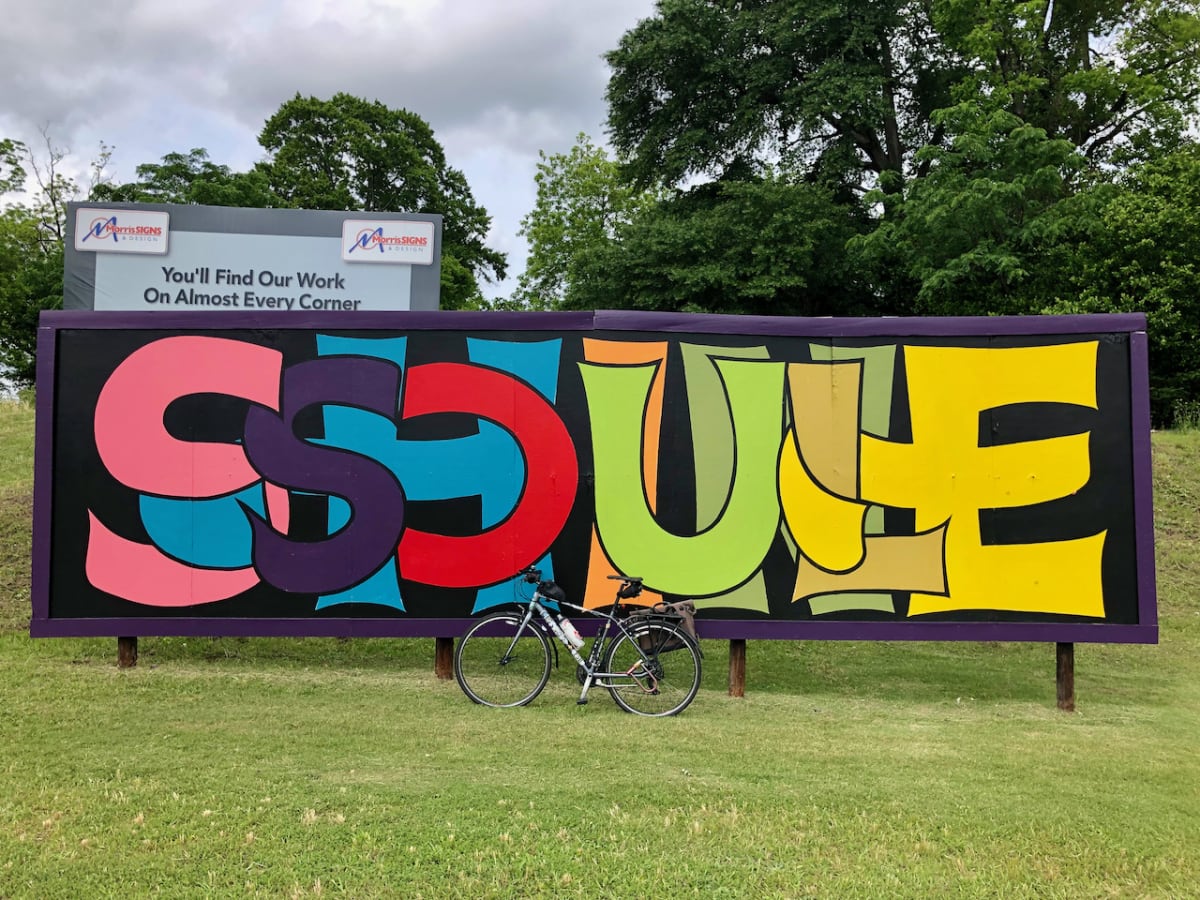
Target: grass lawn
{"type": "Point", "coordinates": [303, 768]}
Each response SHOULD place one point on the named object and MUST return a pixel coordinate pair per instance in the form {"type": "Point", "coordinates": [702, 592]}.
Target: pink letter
{"type": "Point", "coordinates": [142, 574]}
{"type": "Point", "coordinates": [134, 444]}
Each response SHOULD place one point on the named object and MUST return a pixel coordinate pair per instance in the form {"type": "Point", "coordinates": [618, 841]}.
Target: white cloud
{"type": "Point", "coordinates": [496, 81]}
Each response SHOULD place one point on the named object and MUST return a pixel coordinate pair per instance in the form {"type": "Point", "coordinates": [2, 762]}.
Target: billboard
{"type": "Point", "coordinates": [135, 257]}
{"type": "Point", "coordinates": [388, 474]}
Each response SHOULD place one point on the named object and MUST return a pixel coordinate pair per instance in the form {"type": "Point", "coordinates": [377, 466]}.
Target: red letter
{"type": "Point", "coordinates": [552, 475]}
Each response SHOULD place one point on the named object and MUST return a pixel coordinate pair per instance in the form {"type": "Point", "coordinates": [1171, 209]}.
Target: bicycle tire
{"type": "Point", "coordinates": [663, 664]}
{"type": "Point", "coordinates": [496, 666]}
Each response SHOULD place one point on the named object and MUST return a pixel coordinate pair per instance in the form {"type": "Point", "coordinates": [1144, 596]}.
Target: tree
{"type": "Point", "coordinates": [53, 190]}
{"type": "Point", "coordinates": [839, 88]}
{"type": "Point", "coordinates": [981, 139]}
{"type": "Point", "coordinates": [1053, 96]}
{"type": "Point", "coordinates": [349, 153]}
{"type": "Point", "coordinates": [581, 202]}
{"type": "Point", "coordinates": [192, 178]}
{"type": "Point", "coordinates": [760, 246]}
{"type": "Point", "coordinates": [978, 234]}
{"type": "Point", "coordinates": [31, 280]}
{"type": "Point", "coordinates": [344, 153]}
{"type": "Point", "coordinates": [31, 245]}
{"type": "Point", "coordinates": [1110, 76]}
{"type": "Point", "coordinates": [847, 91]}
{"type": "Point", "coordinates": [1142, 254]}
{"type": "Point", "coordinates": [31, 238]}
{"type": "Point", "coordinates": [12, 174]}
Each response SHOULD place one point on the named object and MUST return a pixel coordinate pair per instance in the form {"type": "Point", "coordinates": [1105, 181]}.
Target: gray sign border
{"type": "Point", "coordinates": [79, 267]}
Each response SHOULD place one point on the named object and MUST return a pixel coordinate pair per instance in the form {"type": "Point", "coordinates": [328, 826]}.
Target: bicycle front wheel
{"type": "Point", "coordinates": [500, 663]}
{"type": "Point", "coordinates": [654, 669]}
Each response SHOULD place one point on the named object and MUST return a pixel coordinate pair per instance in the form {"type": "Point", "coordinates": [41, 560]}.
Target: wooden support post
{"type": "Point", "coordinates": [443, 658]}
{"type": "Point", "coordinates": [737, 667]}
{"type": "Point", "coordinates": [126, 652]}
{"type": "Point", "coordinates": [1066, 677]}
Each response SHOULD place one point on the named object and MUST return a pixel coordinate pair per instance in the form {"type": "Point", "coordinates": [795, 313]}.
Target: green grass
{"type": "Point", "coordinates": [300, 768]}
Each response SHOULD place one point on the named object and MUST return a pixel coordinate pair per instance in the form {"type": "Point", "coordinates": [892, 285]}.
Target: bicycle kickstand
{"type": "Point", "coordinates": [583, 695]}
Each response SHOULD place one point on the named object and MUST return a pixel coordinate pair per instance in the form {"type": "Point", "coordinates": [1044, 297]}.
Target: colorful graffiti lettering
{"type": "Point", "coordinates": [359, 463]}
{"type": "Point", "coordinates": [417, 473]}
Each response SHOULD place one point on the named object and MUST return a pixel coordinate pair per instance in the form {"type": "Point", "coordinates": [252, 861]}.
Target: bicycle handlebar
{"type": "Point", "coordinates": [631, 585]}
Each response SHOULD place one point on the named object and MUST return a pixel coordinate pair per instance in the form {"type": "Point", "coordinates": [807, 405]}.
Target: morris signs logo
{"type": "Point", "coordinates": [387, 241]}
{"type": "Point", "coordinates": [121, 230]}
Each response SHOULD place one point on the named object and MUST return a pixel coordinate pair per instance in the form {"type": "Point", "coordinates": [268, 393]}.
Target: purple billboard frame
{"type": "Point", "coordinates": [1134, 324]}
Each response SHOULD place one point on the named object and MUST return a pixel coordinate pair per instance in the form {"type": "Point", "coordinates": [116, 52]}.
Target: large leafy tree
{"type": "Point", "coordinates": [350, 153]}
{"type": "Point", "coordinates": [1056, 97]}
{"type": "Point", "coordinates": [981, 139]}
{"type": "Point", "coordinates": [786, 112]}
{"type": "Point", "coordinates": [840, 88]}
{"type": "Point", "coordinates": [756, 245]}
{"type": "Point", "coordinates": [980, 233]}
{"type": "Point", "coordinates": [31, 246]}
{"type": "Point", "coordinates": [1140, 252]}
{"type": "Point", "coordinates": [849, 90]}
{"type": "Point", "coordinates": [581, 203]}
{"type": "Point", "coordinates": [1114, 77]}
{"type": "Point", "coordinates": [12, 173]}
{"type": "Point", "coordinates": [192, 178]}
{"type": "Point", "coordinates": [344, 153]}
{"type": "Point", "coordinates": [31, 280]}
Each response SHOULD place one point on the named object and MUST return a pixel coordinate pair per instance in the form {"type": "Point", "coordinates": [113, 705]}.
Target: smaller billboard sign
{"type": "Point", "coordinates": [125, 257]}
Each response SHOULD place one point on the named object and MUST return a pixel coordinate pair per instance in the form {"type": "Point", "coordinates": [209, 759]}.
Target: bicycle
{"type": "Point", "coordinates": [649, 664]}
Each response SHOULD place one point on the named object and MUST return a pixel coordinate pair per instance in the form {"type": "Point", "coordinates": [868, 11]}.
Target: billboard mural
{"type": "Point", "coordinates": [390, 473]}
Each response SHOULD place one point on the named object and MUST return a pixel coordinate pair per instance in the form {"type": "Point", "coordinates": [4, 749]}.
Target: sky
{"type": "Point", "coordinates": [497, 81]}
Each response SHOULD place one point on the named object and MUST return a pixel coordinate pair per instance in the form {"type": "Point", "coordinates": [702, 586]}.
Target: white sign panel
{"type": "Point", "coordinates": [211, 270]}
{"type": "Point", "coordinates": [121, 230]}
{"type": "Point", "coordinates": [387, 241]}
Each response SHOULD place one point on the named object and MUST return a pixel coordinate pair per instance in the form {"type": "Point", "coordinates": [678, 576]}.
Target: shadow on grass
{"type": "Point", "coordinates": [369, 654]}
{"type": "Point", "coordinates": [937, 672]}
{"type": "Point", "coordinates": [921, 672]}
{"type": "Point", "coordinates": [901, 671]}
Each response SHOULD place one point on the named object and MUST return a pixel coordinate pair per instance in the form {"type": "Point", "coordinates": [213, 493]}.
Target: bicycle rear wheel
{"type": "Point", "coordinates": [499, 663]}
{"type": "Point", "coordinates": [661, 667]}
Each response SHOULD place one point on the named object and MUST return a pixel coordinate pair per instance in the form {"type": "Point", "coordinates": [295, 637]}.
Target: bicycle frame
{"type": "Point", "coordinates": [593, 676]}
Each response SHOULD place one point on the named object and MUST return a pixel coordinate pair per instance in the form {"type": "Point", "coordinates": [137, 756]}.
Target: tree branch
{"type": "Point", "coordinates": [869, 143]}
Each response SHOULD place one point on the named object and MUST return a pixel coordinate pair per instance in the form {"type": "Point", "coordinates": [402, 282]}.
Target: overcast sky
{"type": "Point", "coordinates": [498, 81]}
